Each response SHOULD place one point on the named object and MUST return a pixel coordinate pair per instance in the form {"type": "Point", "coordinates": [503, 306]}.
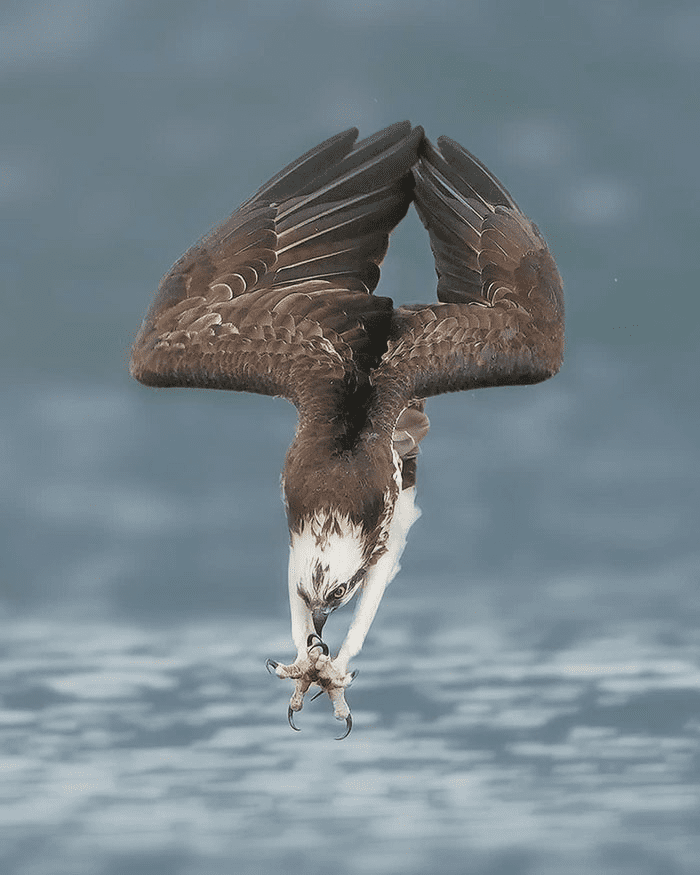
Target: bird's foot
{"type": "Point", "coordinates": [315, 666]}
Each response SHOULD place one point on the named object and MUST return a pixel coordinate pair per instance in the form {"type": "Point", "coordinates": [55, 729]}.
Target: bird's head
{"type": "Point", "coordinates": [328, 561]}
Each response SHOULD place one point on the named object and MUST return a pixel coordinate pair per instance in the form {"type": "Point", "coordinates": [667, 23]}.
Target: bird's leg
{"type": "Point", "coordinates": [306, 641]}
{"type": "Point", "coordinates": [365, 612]}
{"type": "Point", "coordinates": [380, 576]}
{"type": "Point", "coordinates": [315, 666]}
{"type": "Point", "coordinates": [312, 665]}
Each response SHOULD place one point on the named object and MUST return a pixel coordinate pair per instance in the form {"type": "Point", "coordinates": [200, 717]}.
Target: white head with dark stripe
{"type": "Point", "coordinates": [328, 561]}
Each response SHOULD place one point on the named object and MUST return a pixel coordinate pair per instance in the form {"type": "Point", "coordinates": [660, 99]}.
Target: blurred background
{"type": "Point", "coordinates": [528, 697]}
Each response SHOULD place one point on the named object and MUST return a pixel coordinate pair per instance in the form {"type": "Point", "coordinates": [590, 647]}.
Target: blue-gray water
{"type": "Point", "coordinates": [529, 696]}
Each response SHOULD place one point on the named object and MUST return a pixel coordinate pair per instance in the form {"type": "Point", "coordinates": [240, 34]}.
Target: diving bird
{"type": "Point", "coordinates": [279, 300]}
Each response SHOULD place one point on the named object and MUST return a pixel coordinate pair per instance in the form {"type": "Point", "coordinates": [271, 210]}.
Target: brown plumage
{"type": "Point", "coordinates": [501, 316]}
{"type": "Point", "coordinates": [278, 300]}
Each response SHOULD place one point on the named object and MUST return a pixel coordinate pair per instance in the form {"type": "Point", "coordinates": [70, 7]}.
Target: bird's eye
{"type": "Point", "coordinates": [339, 591]}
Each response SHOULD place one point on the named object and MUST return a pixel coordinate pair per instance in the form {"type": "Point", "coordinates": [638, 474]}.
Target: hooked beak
{"type": "Point", "coordinates": [319, 617]}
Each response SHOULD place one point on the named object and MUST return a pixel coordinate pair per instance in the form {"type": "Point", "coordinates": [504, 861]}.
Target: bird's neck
{"type": "Point", "coordinates": [321, 478]}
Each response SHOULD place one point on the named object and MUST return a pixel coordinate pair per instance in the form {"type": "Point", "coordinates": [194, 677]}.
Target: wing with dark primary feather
{"type": "Point", "coordinates": [500, 320]}
{"type": "Point", "coordinates": [281, 291]}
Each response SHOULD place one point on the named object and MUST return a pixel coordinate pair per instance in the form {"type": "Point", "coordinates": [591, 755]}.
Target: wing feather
{"type": "Point", "coordinates": [282, 288]}
{"type": "Point", "coordinates": [500, 316]}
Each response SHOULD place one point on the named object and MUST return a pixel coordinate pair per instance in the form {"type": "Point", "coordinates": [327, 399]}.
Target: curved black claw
{"type": "Point", "coordinates": [320, 643]}
{"type": "Point", "coordinates": [290, 717]}
{"type": "Point", "coordinates": [353, 675]}
{"type": "Point", "coordinates": [271, 664]}
{"type": "Point", "coordinates": [348, 723]}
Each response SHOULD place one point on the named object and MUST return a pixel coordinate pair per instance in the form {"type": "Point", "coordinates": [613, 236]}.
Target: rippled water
{"type": "Point", "coordinates": [472, 749]}
{"type": "Point", "coordinates": [528, 696]}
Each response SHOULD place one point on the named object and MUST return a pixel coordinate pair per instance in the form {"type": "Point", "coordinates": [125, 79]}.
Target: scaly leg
{"type": "Point", "coordinates": [380, 576]}
{"type": "Point", "coordinates": [313, 664]}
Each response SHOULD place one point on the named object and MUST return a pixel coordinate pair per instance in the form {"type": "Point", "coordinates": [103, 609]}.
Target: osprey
{"type": "Point", "coordinates": [279, 300]}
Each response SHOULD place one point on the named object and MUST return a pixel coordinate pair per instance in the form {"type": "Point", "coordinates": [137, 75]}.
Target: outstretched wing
{"type": "Point", "coordinates": [282, 289]}
{"type": "Point", "coordinates": [501, 316]}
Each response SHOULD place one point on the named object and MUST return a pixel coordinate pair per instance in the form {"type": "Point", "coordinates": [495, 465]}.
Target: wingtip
{"type": "Point", "coordinates": [403, 128]}
{"type": "Point", "coordinates": [428, 150]}
{"type": "Point", "coordinates": [443, 140]}
{"type": "Point", "coordinates": [389, 136]}
{"type": "Point", "coordinates": [417, 135]}
{"type": "Point", "coordinates": [455, 153]}
{"type": "Point", "coordinates": [353, 132]}
{"type": "Point", "coordinates": [133, 370]}
{"type": "Point", "coordinates": [460, 165]}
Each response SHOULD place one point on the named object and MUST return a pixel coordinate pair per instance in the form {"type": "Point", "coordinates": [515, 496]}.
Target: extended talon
{"type": "Point", "coordinates": [320, 643]}
{"type": "Point", "coordinates": [353, 675]}
{"type": "Point", "coordinates": [348, 719]}
{"type": "Point", "coordinates": [312, 670]}
{"type": "Point", "coordinates": [290, 717]}
{"type": "Point", "coordinates": [348, 723]}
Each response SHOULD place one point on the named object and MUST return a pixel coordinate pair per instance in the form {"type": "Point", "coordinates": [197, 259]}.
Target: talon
{"type": "Point", "coordinates": [348, 723]}
{"type": "Point", "coordinates": [320, 643]}
{"type": "Point", "coordinates": [290, 717]}
{"type": "Point", "coordinates": [353, 675]}
{"type": "Point", "coordinates": [319, 693]}
{"type": "Point", "coordinates": [271, 664]}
